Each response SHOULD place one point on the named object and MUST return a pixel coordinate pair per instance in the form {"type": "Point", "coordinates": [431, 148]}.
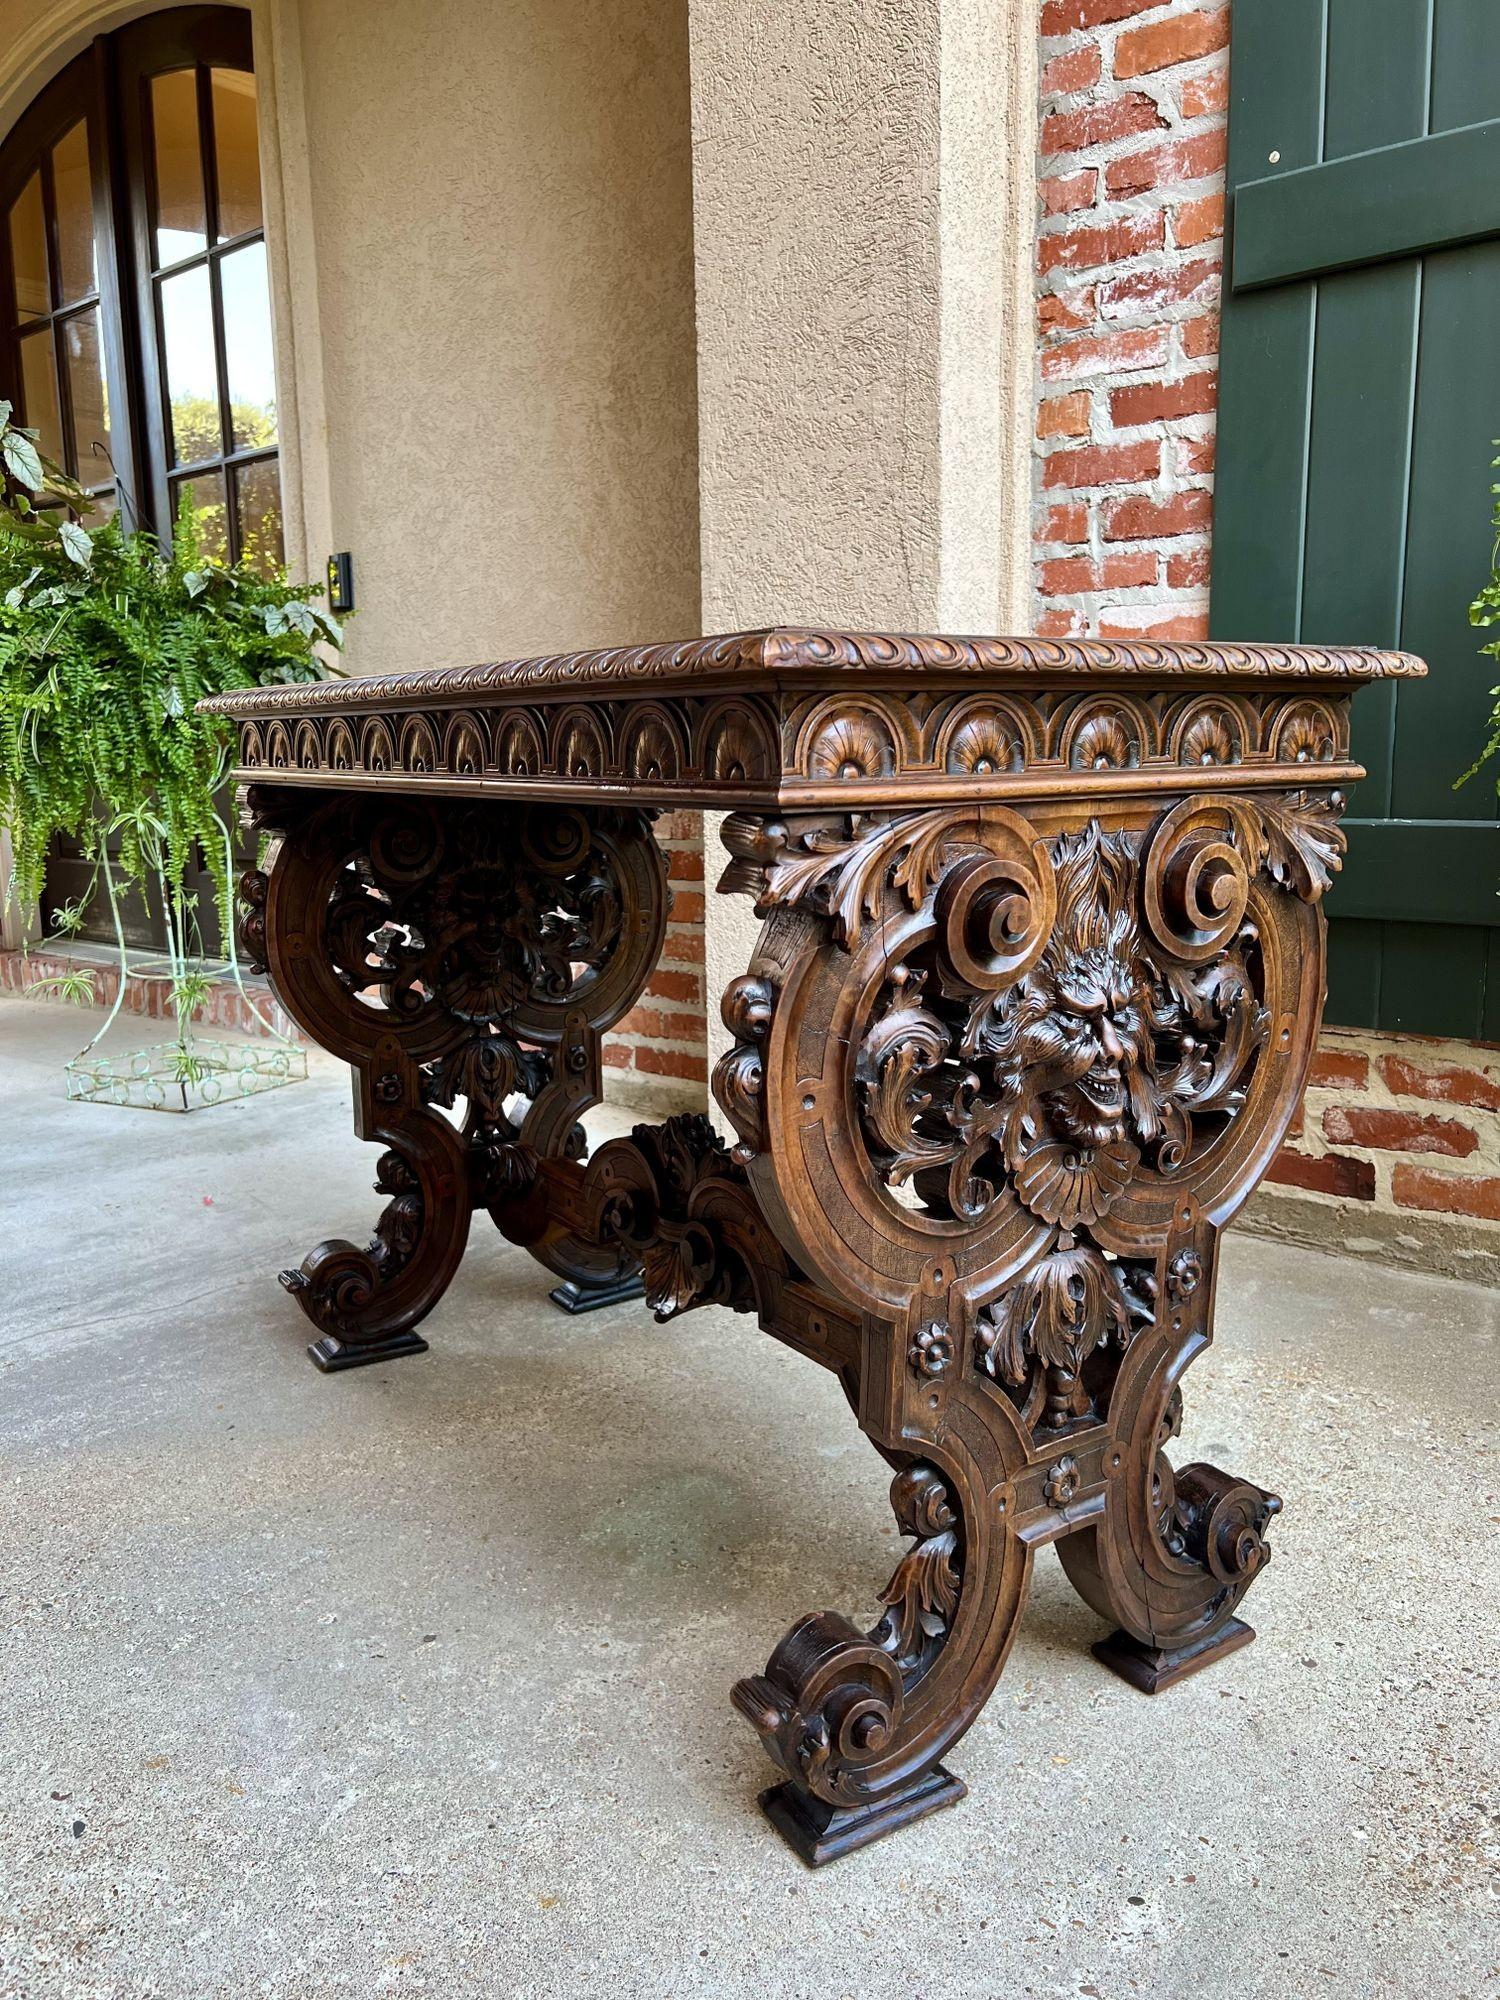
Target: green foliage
{"type": "Point", "coordinates": [1485, 611]}
{"type": "Point", "coordinates": [107, 642]}
{"type": "Point", "coordinates": [76, 987]}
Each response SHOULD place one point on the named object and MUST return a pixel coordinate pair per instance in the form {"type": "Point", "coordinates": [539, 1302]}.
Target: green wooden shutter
{"type": "Point", "coordinates": [1359, 396]}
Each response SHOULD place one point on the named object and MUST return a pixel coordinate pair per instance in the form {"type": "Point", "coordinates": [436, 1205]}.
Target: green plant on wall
{"type": "Point", "coordinates": [107, 643]}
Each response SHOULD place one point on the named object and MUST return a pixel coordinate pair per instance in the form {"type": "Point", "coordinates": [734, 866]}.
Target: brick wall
{"type": "Point", "coordinates": [658, 1055]}
{"type": "Point", "coordinates": [1397, 1150]}
{"type": "Point", "coordinates": [1129, 257]}
{"type": "Point", "coordinates": [28, 974]}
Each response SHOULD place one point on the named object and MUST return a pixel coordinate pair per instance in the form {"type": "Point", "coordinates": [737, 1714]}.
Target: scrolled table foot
{"type": "Point", "coordinates": [820, 1832]}
{"type": "Point", "coordinates": [859, 1720]}
{"type": "Point", "coordinates": [1152, 1668]}
{"type": "Point", "coordinates": [574, 1297]}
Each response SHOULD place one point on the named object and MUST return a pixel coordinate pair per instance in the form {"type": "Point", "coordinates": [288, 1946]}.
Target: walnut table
{"type": "Point", "coordinates": [1031, 1009]}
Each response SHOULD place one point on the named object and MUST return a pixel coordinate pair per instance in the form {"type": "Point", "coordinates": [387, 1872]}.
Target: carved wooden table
{"type": "Point", "coordinates": [1032, 1007]}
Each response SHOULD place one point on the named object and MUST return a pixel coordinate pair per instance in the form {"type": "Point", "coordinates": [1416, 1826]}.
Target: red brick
{"type": "Point", "coordinates": [1111, 243]}
{"type": "Point", "coordinates": [685, 864]}
{"type": "Point", "coordinates": [1159, 402]}
{"type": "Point", "coordinates": [1059, 624]}
{"type": "Point", "coordinates": [685, 1027]}
{"type": "Point", "coordinates": [1061, 17]}
{"type": "Point", "coordinates": [1398, 1131]}
{"type": "Point", "coordinates": [1066, 312]}
{"type": "Point", "coordinates": [1151, 625]}
{"type": "Point", "coordinates": [1069, 575]}
{"type": "Point", "coordinates": [1062, 194]}
{"type": "Point", "coordinates": [1137, 517]}
{"type": "Point", "coordinates": [687, 907]}
{"type": "Point", "coordinates": [1098, 124]}
{"type": "Point", "coordinates": [1073, 70]}
{"type": "Point", "coordinates": [1190, 569]}
{"type": "Point", "coordinates": [1065, 524]}
{"type": "Point", "coordinates": [1065, 416]}
{"type": "Point", "coordinates": [1204, 95]}
{"type": "Point", "coordinates": [1447, 1194]}
{"type": "Point", "coordinates": [1192, 159]}
{"type": "Point", "coordinates": [1333, 1069]}
{"type": "Point", "coordinates": [683, 945]}
{"type": "Point", "coordinates": [1195, 456]}
{"type": "Point", "coordinates": [1447, 1084]}
{"type": "Point", "coordinates": [1200, 337]}
{"type": "Point", "coordinates": [1103, 465]}
{"type": "Point", "coordinates": [1334, 1173]}
{"type": "Point", "coordinates": [1162, 44]}
{"type": "Point", "coordinates": [666, 984]}
{"type": "Point", "coordinates": [1195, 222]}
{"type": "Point", "coordinates": [1105, 354]}
{"type": "Point", "coordinates": [1144, 292]}
{"type": "Point", "coordinates": [671, 1062]}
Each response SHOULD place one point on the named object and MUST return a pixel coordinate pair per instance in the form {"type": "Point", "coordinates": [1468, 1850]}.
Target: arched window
{"type": "Point", "coordinates": [135, 320]}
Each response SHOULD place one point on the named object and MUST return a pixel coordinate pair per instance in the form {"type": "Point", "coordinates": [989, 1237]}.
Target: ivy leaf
{"type": "Point", "coordinates": [195, 582]}
{"type": "Point", "coordinates": [5, 410]}
{"type": "Point", "coordinates": [274, 616]}
{"type": "Point", "coordinates": [22, 460]}
{"type": "Point", "coordinates": [299, 618]}
{"type": "Point", "coordinates": [333, 630]}
{"type": "Point", "coordinates": [76, 544]}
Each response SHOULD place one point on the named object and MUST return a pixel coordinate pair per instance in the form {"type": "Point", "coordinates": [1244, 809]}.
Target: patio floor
{"type": "Point", "coordinates": [415, 1679]}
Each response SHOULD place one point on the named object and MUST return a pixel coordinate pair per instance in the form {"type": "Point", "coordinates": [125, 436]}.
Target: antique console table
{"type": "Point", "coordinates": [1032, 1007]}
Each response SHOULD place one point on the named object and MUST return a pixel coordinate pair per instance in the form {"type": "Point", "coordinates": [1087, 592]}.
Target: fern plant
{"type": "Point", "coordinates": [107, 643]}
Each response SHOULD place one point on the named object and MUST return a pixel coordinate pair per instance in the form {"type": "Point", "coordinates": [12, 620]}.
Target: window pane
{"type": "Point", "coordinates": [74, 191]}
{"type": "Point", "coordinates": [180, 227]}
{"type": "Point", "coordinates": [247, 347]}
{"type": "Point", "coordinates": [89, 396]}
{"type": "Point", "coordinates": [236, 151]}
{"type": "Point", "coordinates": [257, 490]}
{"type": "Point", "coordinates": [28, 251]}
{"type": "Point", "coordinates": [187, 322]}
{"type": "Point", "coordinates": [39, 392]}
{"type": "Point", "coordinates": [207, 494]}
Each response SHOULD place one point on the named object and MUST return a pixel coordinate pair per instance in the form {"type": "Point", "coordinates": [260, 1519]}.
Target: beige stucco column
{"type": "Point", "coordinates": [864, 190]}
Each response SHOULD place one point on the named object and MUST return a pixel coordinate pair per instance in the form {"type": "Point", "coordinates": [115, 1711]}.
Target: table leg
{"type": "Point", "coordinates": [465, 958]}
{"type": "Point", "coordinates": [998, 1084]}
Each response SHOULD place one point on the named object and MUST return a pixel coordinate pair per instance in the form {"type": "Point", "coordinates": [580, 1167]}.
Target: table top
{"type": "Point", "coordinates": [788, 716]}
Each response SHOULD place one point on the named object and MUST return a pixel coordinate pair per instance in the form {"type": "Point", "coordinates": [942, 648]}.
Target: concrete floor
{"type": "Point", "coordinates": [415, 1679]}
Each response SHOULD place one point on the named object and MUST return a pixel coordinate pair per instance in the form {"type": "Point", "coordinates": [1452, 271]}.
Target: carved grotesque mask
{"type": "Point", "coordinates": [1071, 1044]}
{"type": "Point", "coordinates": [1090, 1051]}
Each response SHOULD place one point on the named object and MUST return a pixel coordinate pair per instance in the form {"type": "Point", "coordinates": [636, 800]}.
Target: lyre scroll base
{"type": "Point", "coordinates": [574, 1298]}
{"type": "Point", "coordinates": [1153, 1668]}
{"type": "Point", "coordinates": [331, 1354]}
{"type": "Point", "coordinates": [820, 1832]}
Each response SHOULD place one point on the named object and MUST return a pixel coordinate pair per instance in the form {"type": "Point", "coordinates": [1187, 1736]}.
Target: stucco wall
{"type": "Point", "coordinates": [864, 198]}
{"type": "Point", "coordinates": [502, 212]}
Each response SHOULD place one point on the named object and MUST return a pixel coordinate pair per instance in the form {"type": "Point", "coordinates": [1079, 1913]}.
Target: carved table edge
{"type": "Point", "coordinates": [802, 655]}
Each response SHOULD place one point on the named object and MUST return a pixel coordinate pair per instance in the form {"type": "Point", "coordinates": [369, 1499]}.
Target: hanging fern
{"type": "Point", "coordinates": [107, 643]}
